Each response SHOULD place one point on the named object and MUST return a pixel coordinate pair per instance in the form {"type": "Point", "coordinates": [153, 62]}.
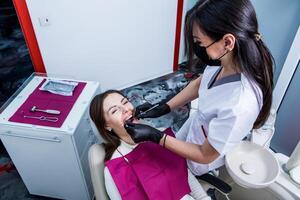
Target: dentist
{"type": "Point", "coordinates": [234, 92]}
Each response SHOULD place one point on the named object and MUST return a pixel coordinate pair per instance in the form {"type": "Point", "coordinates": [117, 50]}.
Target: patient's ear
{"type": "Point", "coordinates": [107, 127]}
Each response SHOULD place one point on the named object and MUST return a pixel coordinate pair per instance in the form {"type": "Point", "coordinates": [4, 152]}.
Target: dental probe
{"type": "Point", "coordinates": [149, 109]}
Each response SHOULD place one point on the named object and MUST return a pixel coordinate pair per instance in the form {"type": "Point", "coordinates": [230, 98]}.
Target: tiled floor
{"type": "Point", "coordinates": [11, 185]}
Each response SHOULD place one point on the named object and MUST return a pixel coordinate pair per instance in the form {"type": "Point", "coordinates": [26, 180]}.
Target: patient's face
{"type": "Point", "coordinates": [117, 109]}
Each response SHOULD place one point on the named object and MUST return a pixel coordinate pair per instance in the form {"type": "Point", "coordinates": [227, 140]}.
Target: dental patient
{"type": "Point", "coordinates": [138, 171]}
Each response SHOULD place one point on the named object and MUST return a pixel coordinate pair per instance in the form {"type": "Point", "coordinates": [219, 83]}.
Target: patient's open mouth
{"type": "Point", "coordinates": [131, 119]}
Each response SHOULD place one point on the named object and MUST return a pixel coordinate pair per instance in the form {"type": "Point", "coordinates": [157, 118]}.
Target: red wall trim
{"type": "Point", "coordinates": [29, 35]}
{"type": "Point", "coordinates": [178, 34]}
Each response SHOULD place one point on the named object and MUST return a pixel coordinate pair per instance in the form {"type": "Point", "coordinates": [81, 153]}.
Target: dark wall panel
{"type": "Point", "coordinates": [15, 62]}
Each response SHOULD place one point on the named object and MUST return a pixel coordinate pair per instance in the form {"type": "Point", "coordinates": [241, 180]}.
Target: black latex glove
{"type": "Point", "coordinates": [158, 111]}
{"type": "Point", "coordinates": [142, 132]}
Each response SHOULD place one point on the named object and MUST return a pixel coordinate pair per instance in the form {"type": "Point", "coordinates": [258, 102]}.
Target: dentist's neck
{"type": "Point", "coordinates": [228, 64]}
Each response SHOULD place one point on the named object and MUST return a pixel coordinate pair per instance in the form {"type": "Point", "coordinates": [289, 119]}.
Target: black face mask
{"type": "Point", "coordinates": [201, 53]}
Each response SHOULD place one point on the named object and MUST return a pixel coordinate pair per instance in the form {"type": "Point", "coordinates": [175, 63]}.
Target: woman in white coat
{"type": "Point", "coordinates": [235, 90]}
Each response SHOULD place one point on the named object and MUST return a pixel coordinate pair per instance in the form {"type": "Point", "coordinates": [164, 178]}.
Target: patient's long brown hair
{"type": "Point", "coordinates": [112, 141]}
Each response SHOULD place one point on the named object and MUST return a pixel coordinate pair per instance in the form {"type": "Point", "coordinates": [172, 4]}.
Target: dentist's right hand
{"type": "Point", "coordinates": [159, 110]}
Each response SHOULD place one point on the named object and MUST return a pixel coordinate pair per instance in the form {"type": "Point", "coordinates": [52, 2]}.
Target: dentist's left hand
{"type": "Point", "coordinates": [142, 132]}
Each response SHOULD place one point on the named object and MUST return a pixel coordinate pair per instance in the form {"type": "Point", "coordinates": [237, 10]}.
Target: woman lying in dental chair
{"type": "Point", "coordinates": [138, 171]}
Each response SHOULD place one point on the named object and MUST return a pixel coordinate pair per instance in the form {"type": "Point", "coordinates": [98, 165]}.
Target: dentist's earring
{"type": "Point", "coordinates": [109, 129]}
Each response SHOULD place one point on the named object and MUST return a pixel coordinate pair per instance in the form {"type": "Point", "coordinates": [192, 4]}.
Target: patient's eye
{"type": "Point", "coordinates": [125, 101]}
{"type": "Point", "coordinates": [114, 110]}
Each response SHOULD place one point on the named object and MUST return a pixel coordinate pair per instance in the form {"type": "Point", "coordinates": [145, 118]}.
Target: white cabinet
{"type": "Point", "coordinates": [52, 162]}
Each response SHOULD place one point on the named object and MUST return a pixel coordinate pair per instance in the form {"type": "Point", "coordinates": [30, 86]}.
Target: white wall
{"type": "Point", "coordinates": [116, 42]}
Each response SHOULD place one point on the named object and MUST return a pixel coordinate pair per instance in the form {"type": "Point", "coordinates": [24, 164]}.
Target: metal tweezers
{"type": "Point", "coordinates": [43, 118]}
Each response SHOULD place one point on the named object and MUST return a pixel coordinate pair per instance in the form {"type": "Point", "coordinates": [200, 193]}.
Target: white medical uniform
{"type": "Point", "coordinates": [227, 110]}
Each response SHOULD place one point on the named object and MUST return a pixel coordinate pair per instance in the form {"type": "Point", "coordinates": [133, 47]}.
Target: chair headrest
{"type": "Point", "coordinates": [95, 130]}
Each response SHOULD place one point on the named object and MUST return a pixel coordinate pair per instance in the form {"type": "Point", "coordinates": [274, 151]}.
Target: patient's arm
{"type": "Point", "coordinates": [110, 186]}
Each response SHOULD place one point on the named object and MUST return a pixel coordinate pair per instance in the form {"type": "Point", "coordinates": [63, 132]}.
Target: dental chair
{"type": "Point", "coordinates": [96, 163]}
{"type": "Point", "coordinates": [96, 154]}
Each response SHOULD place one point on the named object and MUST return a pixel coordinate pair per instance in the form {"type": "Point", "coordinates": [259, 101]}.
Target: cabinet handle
{"type": "Point", "coordinates": [54, 139]}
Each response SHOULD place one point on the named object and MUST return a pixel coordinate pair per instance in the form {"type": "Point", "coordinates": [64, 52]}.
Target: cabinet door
{"type": "Point", "coordinates": [46, 162]}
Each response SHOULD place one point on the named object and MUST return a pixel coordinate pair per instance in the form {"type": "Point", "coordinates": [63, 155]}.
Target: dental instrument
{"type": "Point", "coordinates": [144, 112]}
{"type": "Point", "coordinates": [43, 118]}
{"type": "Point", "coordinates": [54, 112]}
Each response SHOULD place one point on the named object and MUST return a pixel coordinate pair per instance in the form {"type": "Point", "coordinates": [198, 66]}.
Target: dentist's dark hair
{"type": "Point", "coordinates": [219, 17]}
{"type": "Point", "coordinates": [112, 141]}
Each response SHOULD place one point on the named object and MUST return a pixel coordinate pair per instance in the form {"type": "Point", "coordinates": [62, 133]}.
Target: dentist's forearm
{"type": "Point", "coordinates": [204, 153]}
{"type": "Point", "coordinates": [188, 94]}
